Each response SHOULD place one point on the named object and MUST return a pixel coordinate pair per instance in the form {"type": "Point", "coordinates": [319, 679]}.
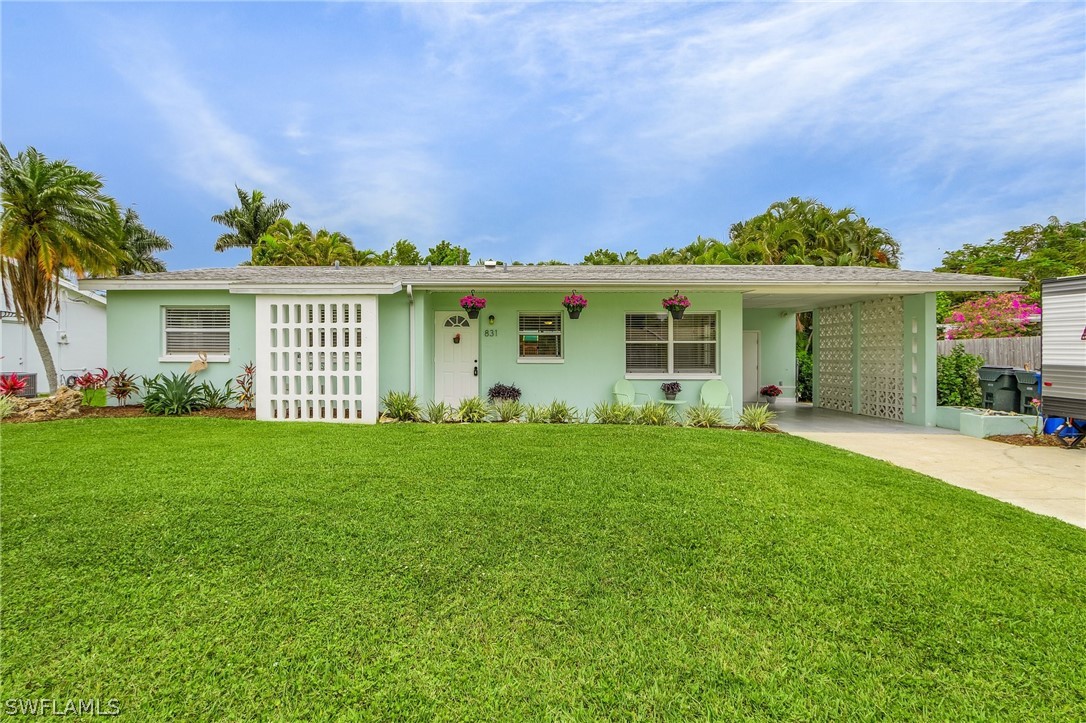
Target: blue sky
{"type": "Point", "coordinates": [544, 131]}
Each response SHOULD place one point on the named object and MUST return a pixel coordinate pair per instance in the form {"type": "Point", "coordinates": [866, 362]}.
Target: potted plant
{"type": "Point", "coordinates": [770, 392]}
{"type": "Point", "coordinates": [575, 304]}
{"type": "Point", "coordinates": [670, 390]}
{"type": "Point", "coordinates": [473, 304]}
{"type": "Point", "coordinates": [93, 387]}
{"type": "Point", "coordinates": [677, 305]}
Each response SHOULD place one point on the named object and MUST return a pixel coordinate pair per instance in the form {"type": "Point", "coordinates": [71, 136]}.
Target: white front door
{"type": "Point", "coordinates": [456, 358]}
{"type": "Point", "coordinates": [751, 342]}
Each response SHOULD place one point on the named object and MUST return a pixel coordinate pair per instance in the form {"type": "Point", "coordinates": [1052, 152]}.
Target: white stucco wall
{"type": "Point", "coordinates": [76, 336]}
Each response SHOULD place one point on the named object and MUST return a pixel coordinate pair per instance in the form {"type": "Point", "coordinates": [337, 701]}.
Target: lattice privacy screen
{"type": "Point", "coordinates": [835, 357]}
{"type": "Point", "coordinates": [882, 368]}
{"type": "Point", "coordinates": [317, 358]}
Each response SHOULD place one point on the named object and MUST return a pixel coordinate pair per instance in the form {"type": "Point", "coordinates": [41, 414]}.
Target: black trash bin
{"type": "Point", "coordinates": [1029, 388]}
{"type": "Point", "coordinates": [999, 388]}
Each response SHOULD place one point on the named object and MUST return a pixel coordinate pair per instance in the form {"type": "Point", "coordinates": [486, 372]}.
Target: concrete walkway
{"type": "Point", "coordinates": [1046, 480]}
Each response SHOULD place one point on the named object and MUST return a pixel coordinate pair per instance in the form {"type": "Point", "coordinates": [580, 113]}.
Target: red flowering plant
{"type": "Point", "coordinates": [11, 385]}
{"type": "Point", "coordinates": [990, 317]}
{"type": "Point", "coordinates": [93, 387]}
{"type": "Point", "coordinates": [770, 390]}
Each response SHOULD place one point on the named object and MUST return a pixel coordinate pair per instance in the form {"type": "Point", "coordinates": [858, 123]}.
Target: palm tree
{"type": "Point", "coordinates": [55, 220]}
{"type": "Point", "coordinates": [284, 244]}
{"type": "Point", "coordinates": [326, 248]}
{"type": "Point", "coordinates": [138, 245]}
{"type": "Point", "coordinates": [249, 220]}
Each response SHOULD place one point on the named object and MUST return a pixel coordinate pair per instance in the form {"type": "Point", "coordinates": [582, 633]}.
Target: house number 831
{"type": "Point", "coordinates": [490, 332]}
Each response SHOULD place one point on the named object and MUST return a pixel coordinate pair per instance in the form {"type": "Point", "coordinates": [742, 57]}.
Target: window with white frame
{"type": "Point", "coordinates": [657, 344]}
{"type": "Point", "coordinates": [191, 330]}
{"type": "Point", "coordinates": [539, 337]}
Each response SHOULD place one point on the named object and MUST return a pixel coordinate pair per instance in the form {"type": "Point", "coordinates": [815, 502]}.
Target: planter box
{"type": "Point", "coordinates": [950, 417]}
{"type": "Point", "coordinates": [990, 425]}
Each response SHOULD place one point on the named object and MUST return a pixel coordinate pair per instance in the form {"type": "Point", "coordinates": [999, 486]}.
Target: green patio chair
{"type": "Point", "coordinates": [715, 393]}
{"type": "Point", "coordinates": [625, 394]}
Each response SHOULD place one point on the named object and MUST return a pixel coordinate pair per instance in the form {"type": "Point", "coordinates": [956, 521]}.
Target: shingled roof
{"type": "Point", "coordinates": [394, 277]}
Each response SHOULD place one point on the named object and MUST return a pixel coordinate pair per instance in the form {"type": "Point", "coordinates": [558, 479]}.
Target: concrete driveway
{"type": "Point", "coordinates": [1046, 480]}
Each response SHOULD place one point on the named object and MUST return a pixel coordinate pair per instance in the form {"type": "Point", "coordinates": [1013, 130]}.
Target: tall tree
{"type": "Point", "coordinates": [446, 254]}
{"type": "Point", "coordinates": [138, 246]}
{"type": "Point", "coordinates": [55, 220]}
{"type": "Point", "coordinates": [249, 220]}
{"type": "Point", "coordinates": [402, 253]}
{"type": "Point", "coordinates": [1033, 253]}
{"type": "Point", "coordinates": [294, 244]}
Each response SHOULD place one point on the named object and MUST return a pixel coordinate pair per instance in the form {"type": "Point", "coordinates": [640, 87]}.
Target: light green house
{"type": "Point", "coordinates": [328, 342]}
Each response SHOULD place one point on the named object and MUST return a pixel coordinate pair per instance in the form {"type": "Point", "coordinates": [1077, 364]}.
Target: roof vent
{"type": "Point", "coordinates": [490, 263]}
{"type": "Point", "coordinates": [336, 263]}
{"type": "Point", "coordinates": [429, 267]}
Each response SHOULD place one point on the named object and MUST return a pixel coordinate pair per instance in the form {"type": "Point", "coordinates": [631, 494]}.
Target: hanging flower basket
{"type": "Point", "coordinates": [473, 304]}
{"type": "Point", "coordinates": [575, 304]}
{"type": "Point", "coordinates": [677, 305]}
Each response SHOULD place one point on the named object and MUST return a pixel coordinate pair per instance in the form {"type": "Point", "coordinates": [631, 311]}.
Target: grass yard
{"type": "Point", "coordinates": [217, 569]}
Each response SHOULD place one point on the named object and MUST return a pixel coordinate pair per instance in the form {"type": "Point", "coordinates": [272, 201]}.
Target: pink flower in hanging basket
{"type": "Point", "coordinates": [676, 302]}
{"type": "Point", "coordinates": [471, 301]}
{"type": "Point", "coordinates": [574, 301]}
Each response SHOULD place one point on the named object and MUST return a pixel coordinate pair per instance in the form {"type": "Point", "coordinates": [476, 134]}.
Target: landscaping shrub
{"type": "Point", "coordinates": [655, 414]}
{"type": "Point", "coordinates": [535, 413]}
{"type": "Point", "coordinates": [702, 415]}
{"type": "Point", "coordinates": [957, 383]}
{"type": "Point", "coordinates": [472, 409]}
{"type": "Point", "coordinates": [402, 406]}
{"type": "Point", "coordinates": [172, 395]}
{"type": "Point", "coordinates": [122, 385]}
{"type": "Point", "coordinates": [11, 385]}
{"type": "Point", "coordinates": [439, 412]}
{"type": "Point", "coordinates": [757, 417]}
{"type": "Point", "coordinates": [217, 397]}
{"type": "Point", "coordinates": [508, 410]}
{"type": "Point", "coordinates": [246, 394]}
{"type": "Point", "coordinates": [500, 392]}
{"type": "Point", "coordinates": [561, 412]}
{"type": "Point", "coordinates": [804, 375]}
{"type": "Point", "coordinates": [613, 413]}
{"type": "Point", "coordinates": [6, 404]}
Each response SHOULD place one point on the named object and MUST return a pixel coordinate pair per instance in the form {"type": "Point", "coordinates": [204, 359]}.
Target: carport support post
{"type": "Point", "coordinates": [919, 383]}
{"type": "Point", "coordinates": [816, 394]}
{"type": "Point", "coordinates": [857, 341]}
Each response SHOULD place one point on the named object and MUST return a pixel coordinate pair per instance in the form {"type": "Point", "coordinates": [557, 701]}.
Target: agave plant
{"type": "Point", "coordinates": [439, 412]}
{"type": "Point", "coordinates": [472, 409]}
{"type": "Point", "coordinates": [508, 410]}
{"type": "Point", "coordinates": [655, 414]}
{"type": "Point", "coordinates": [402, 406]}
{"type": "Point", "coordinates": [172, 395]}
{"type": "Point", "coordinates": [757, 417]}
{"type": "Point", "coordinates": [217, 397]}
{"type": "Point", "coordinates": [702, 415]}
{"type": "Point", "coordinates": [613, 413]}
{"type": "Point", "coordinates": [561, 412]}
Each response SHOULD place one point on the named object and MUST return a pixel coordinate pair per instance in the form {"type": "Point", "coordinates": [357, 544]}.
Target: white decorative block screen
{"type": "Point", "coordinates": [316, 358]}
{"type": "Point", "coordinates": [835, 357]}
{"type": "Point", "coordinates": [882, 370]}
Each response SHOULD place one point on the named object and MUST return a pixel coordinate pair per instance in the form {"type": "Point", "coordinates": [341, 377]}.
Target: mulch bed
{"type": "Point", "coordinates": [1028, 440]}
{"type": "Point", "coordinates": [135, 410]}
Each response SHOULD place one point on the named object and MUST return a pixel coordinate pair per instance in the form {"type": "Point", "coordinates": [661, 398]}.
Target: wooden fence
{"type": "Point", "coordinates": [1022, 352]}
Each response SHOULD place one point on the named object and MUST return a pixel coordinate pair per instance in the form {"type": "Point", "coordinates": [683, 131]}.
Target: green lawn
{"type": "Point", "coordinates": [212, 569]}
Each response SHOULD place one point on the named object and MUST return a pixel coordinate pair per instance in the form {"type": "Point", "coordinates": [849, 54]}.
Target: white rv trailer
{"type": "Point", "coordinates": [1063, 349]}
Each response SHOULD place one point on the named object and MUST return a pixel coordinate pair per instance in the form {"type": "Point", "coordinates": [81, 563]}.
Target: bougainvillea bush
{"type": "Point", "coordinates": [992, 316]}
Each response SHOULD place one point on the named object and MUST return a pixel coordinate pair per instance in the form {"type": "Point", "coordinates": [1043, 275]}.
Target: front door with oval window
{"type": "Point", "coordinates": [456, 358]}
